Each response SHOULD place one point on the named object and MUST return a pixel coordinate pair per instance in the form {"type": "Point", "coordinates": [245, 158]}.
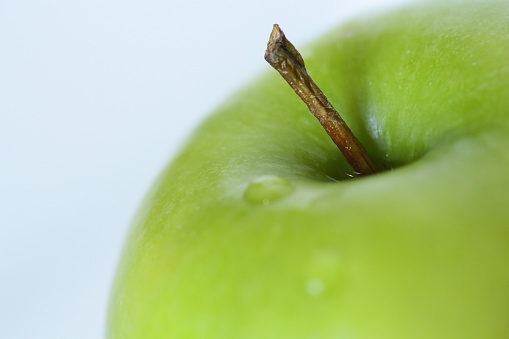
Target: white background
{"type": "Point", "coordinates": [95, 97]}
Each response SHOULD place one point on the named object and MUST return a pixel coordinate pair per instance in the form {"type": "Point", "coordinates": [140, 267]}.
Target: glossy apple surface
{"type": "Point", "coordinates": [256, 230]}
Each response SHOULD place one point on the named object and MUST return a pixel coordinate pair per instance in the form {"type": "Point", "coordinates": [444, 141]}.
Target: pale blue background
{"type": "Point", "coordinates": [95, 97]}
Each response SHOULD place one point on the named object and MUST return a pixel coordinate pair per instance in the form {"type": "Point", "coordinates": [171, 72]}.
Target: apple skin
{"type": "Point", "coordinates": [255, 231]}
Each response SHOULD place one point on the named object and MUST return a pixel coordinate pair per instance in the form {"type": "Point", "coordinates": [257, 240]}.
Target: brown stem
{"type": "Point", "coordinates": [285, 58]}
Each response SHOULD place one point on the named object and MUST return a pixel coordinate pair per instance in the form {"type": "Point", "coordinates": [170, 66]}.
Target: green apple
{"type": "Point", "coordinates": [257, 230]}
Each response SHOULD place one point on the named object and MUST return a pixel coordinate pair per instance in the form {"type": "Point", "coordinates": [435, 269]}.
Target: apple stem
{"type": "Point", "coordinates": [285, 58]}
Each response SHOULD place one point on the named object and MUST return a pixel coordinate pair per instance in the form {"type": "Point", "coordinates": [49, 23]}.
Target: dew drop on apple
{"type": "Point", "coordinates": [315, 286]}
{"type": "Point", "coordinates": [266, 189]}
{"type": "Point", "coordinates": [324, 271]}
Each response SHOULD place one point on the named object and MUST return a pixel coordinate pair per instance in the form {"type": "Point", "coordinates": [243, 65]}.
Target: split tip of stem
{"type": "Point", "coordinates": [278, 45]}
{"type": "Point", "coordinates": [276, 36]}
{"type": "Point", "coordinates": [276, 40]}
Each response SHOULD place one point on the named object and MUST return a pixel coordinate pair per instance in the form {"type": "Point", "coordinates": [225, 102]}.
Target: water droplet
{"type": "Point", "coordinates": [266, 189]}
{"type": "Point", "coordinates": [315, 286]}
{"type": "Point", "coordinates": [324, 272]}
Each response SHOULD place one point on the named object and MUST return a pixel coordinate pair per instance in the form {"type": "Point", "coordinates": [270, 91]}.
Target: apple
{"type": "Point", "coordinates": [261, 229]}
